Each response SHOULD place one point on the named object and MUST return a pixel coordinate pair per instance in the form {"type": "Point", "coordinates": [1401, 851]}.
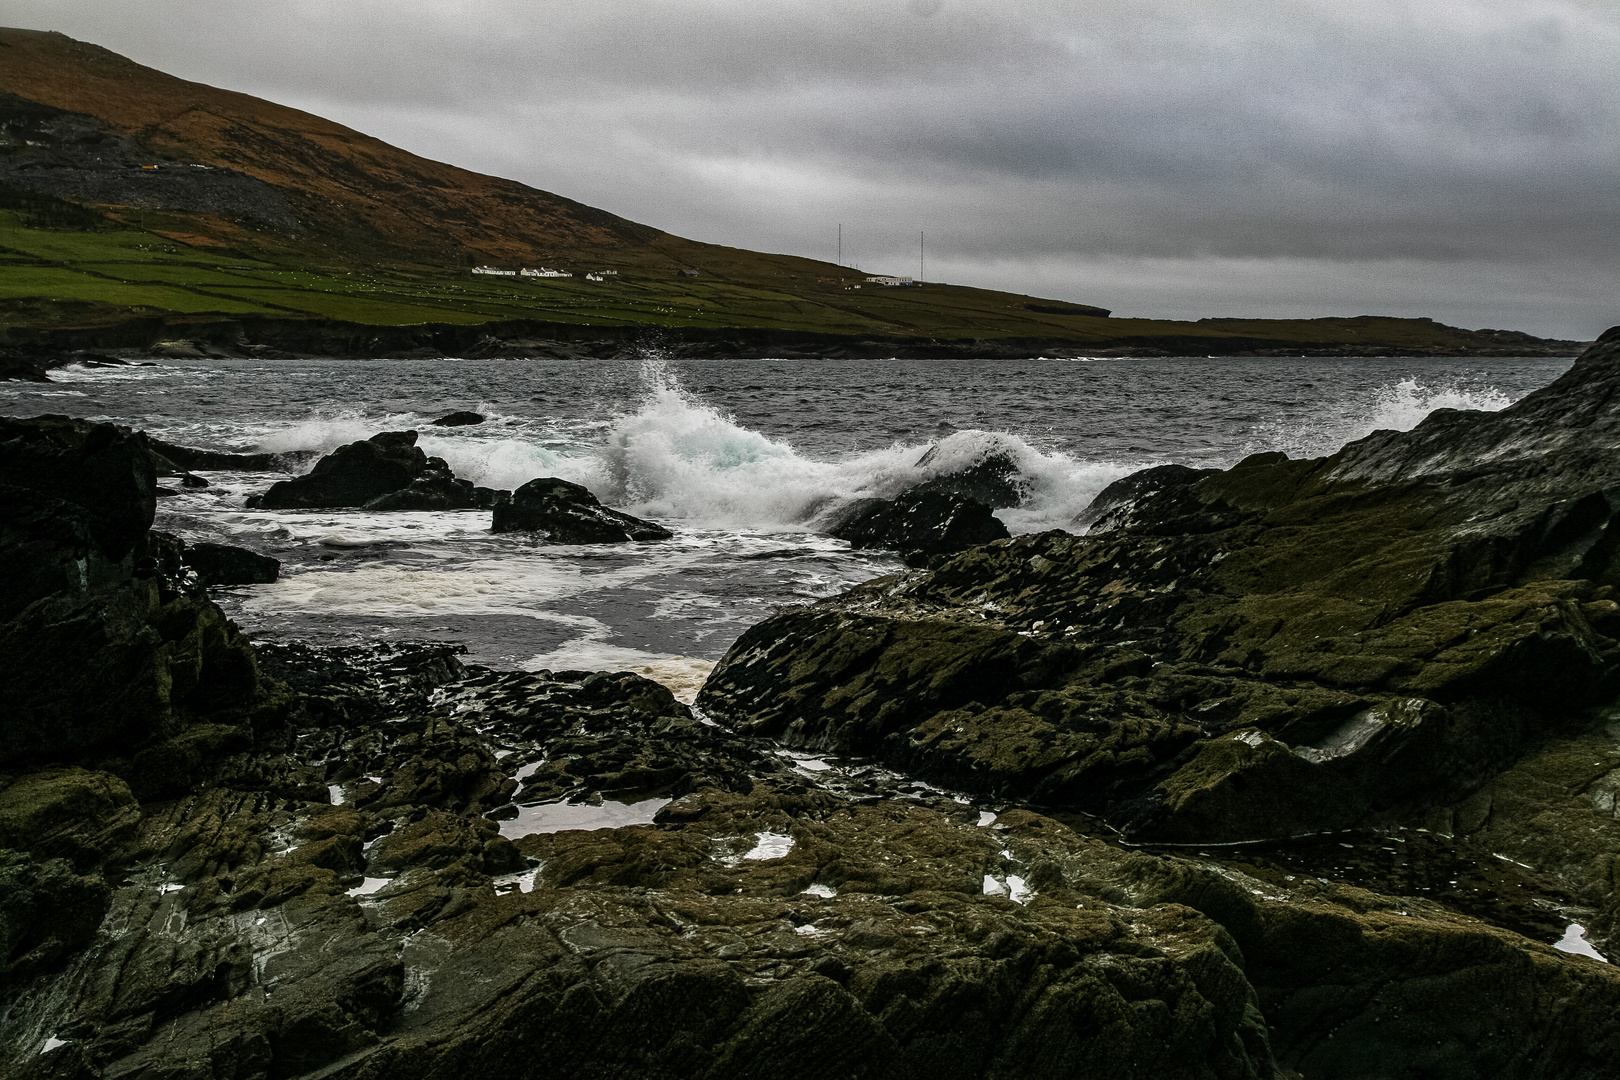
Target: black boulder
{"type": "Point", "coordinates": [351, 475]}
{"type": "Point", "coordinates": [921, 524]}
{"type": "Point", "coordinates": [569, 514]}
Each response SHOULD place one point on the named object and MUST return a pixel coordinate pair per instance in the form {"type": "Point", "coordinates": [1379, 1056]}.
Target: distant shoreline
{"type": "Point", "coordinates": [30, 352]}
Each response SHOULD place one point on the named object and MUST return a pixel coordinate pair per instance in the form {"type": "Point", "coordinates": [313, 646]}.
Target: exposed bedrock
{"type": "Point", "coordinates": [567, 513]}
{"type": "Point", "coordinates": [113, 652]}
{"type": "Point", "coordinates": [220, 861]}
{"type": "Point", "coordinates": [1279, 648]}
{"type": "Point", "coordinates": [358, 898]}
{"type": "Point", "coordinates": [921, 525]}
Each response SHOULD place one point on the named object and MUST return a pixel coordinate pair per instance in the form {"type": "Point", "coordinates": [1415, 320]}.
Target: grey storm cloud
{"type": "Point", "coordinates": [1452, 158]}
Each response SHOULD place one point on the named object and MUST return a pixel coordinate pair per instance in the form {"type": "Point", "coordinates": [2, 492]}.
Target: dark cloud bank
{"type": "Point", "coordinates": [1456, 158]}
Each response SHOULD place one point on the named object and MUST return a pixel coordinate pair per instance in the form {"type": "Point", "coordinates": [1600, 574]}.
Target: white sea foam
{"type": "Point", "coordinates": [675, 458]}
{"type": "Point", "coordinates": [678, 458]}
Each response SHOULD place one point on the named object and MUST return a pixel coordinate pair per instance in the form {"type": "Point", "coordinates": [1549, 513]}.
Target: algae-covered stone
{"type": "Point", "coordinates": [1282, 647]}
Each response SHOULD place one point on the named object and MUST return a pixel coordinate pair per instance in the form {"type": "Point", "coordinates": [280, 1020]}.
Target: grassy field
{"type": "Point", "coordinates": [56, 277]}
{"type": "Point", "coordinates": [136, 268]}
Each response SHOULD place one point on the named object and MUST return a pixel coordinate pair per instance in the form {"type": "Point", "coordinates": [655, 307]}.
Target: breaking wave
{"type": "Point", "coordinates": [1398, 406]}
{"type": "Point", "coordinates": [674, 457]}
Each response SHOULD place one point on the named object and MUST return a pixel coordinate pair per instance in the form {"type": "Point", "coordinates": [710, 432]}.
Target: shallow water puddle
{"type": "Point", "coordinates": [807, 762]}
{"type": "Point", "coordinates": [557, 817]}
{"type": "Point", "coordinates": [1013, 888]}
{"type": "Point", "coordinates": [1574, 941]}
{"type": "Point", "coordinates": [523, 882]}
{"type": "Point", "coordinates": [770, 846]}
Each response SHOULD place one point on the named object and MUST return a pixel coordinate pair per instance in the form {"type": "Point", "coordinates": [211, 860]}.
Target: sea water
{"type": "Point", "coordinates": [742, 459]}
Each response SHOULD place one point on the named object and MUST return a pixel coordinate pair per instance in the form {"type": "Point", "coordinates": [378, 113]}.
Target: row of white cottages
{"type": "Point", "coordinates": [600, 275]}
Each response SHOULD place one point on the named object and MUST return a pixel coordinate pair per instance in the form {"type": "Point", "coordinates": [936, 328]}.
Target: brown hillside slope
{"type": "Point", "coordinates": [345, 186]}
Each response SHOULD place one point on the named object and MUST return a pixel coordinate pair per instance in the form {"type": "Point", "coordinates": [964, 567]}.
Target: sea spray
{"type": "Point", "coordinates": [1397, 406]}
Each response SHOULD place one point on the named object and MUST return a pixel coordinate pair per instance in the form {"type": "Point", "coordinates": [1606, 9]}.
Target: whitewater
{"type": "Point", "coordinates": [744, 460]}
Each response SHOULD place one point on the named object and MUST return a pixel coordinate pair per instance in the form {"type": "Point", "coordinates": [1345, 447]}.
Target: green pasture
{"type": "Point", "coordinates": [57, 271]}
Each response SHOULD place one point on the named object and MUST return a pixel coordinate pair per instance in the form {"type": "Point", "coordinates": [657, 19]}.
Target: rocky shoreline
{"type": "Point", "coordinates": [29, 353]}
{"type": "Point", "coordinates": [1299, 769]}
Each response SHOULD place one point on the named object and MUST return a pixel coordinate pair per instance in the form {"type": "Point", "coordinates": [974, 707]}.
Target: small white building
{"type": "Point", "coordinates": [493, 272]}
{"type": "Point", "coordinates": [886, 279]}
{"type": "Point", "coordinates": [544, 272]}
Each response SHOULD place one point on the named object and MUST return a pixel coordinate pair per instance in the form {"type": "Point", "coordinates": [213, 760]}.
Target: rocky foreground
{"type": "Point", "coordinates": [1294, 770]}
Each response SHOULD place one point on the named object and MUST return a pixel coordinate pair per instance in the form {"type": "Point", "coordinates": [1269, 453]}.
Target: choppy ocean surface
{"type": "Point", "coordinates": [741, 458]}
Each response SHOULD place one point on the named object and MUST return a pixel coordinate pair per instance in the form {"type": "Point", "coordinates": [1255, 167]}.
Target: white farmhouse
{"type": "Point", "coordinates": [544, 272]}
{"type": "Point", "coordinates": [493, 272]}
{"type": "Point", "coordinates": [885, 279]}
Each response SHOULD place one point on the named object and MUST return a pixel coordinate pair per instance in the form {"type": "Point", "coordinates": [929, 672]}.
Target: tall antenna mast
{"type": "Point", "coordinates": [840, 243]}
{"type": "Point", "coordinates": [920, 264]}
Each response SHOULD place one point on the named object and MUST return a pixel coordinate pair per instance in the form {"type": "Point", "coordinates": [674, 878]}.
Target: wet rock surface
{"type": "Point", "coordinates": [385, 472]}
{"type": "Point", "coordinates": [112, 650]}
{"type": "Point", "coordinates": [568, 513]}
{"type": "Point", "coordinates": [922, 524]}
{"type": "Point", "coordinates": [394, 883]}
{"type": "Point", "coordinates": [1281, 648]}
{"type": "Point", "coordinates": [1297, 770]}
{"type": "Point", "coordinates": [352, 475]}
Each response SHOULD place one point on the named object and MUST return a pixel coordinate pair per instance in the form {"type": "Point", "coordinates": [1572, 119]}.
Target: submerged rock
{"type": "Point", "coordinates": [464, 418]}
{"type": "Point", "coordinates": [569, 514]}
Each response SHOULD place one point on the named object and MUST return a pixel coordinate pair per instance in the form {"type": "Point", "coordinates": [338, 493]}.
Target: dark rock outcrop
{"type": "Point", "coordinates": [462, 418]}
{"type": "Point", "coordinates": [995, 480]}
{"type": "Point", "coordinates": [1112, 507]}
{"type": "Point", "coordinates": [111, 649]}
{"type": "Point", "coordinates": [385, 472]}
{"type": "Point", "coordinates": [921, 524]}
{"type": "Point", "coordinates": [569, 514]}
{"type": "Point", "coordinates": [1284, 647]}
{"type": "Point", "coordinates": [351, 475]}
{"type": "Point", "coordinates": [438, 489]}
{"type": "Point", "coordinates": [225, 564]}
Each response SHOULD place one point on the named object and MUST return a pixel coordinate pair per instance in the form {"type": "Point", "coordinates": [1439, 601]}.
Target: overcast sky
{"type": "Point", "coordinates": [1458, 159]}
